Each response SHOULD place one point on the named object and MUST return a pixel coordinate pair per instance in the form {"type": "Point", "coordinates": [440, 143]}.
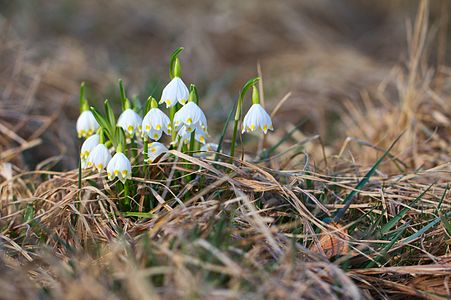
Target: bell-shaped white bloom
{"type": "Point", "coordinates": [86, 124]}
{"type": "Point", "coordinates": [120, 167]}
{"type": "Point", "coordinates": [192, 116]}
{"type": "Point", "coordinates": [88, 145]}
{"type": "Point", "coordinates": [257, 119]}
{"type": "Point", "coordinates": [175, 91]}
{"type": "Point", "coordinates": [155, 122]}
{"type": "Point", "coordinates": [155, 150]}
{"type": "Point", "coordinates": [130, 121]}
{"type": "Point", "coordinates": [99, 157]}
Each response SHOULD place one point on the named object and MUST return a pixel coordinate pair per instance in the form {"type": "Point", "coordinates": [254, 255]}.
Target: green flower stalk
{"type": "Point", "coordinates": [175, 91]}
{"type": "Point", "coordinates": [239, 104]}
{"type": "Point", "coordinates": [86, 122]}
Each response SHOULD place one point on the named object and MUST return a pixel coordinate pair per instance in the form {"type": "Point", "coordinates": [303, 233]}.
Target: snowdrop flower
{"type": "Point", "coordinates": [120, 167]}
{"type": "Point", "coordinates": [86, 124]}
{"type": "Point", "coordinates": [155, 123]}
{"type": "Point", "coordinates": [87, 147]}
{"type": "Point", "coordinates": [155, 150]}
{"type": "Point", "coordinates": [175, 91]}
{"type": "Point", "coordinates": [191, 116]}
{"type": "Point", "coordinates": [257, 119]}
{"type": "Point", "coordinates": [130, 121]}
{"type": "Point", "coordinates": [99, 157]}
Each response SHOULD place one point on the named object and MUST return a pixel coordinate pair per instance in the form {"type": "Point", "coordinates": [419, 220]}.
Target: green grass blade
{"type": "Point", "coordinates": [137, 214]}
{"type": "Point", "coordinates": [384, 251]}
{"type": "Point", "coordinates": [446, 223]}
{"type": "Point", "coordinates": [393, 221]}
{"type": "Point", "coordinates": [224, 131]}
{"type": "Point", "coordinates": [362, 182]}
{"type": "Point", "coordinates": [426, 228]}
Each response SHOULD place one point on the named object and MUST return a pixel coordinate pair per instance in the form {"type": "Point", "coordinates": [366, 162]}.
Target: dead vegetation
{"type": "Point", "coordinates": [255, 229]}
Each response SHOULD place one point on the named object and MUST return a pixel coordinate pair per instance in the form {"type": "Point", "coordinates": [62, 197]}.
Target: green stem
{"type": "Point", "coordinates": [172, 112]}
{"type": "Point", "coordinates": [146, 156]}
{"type": "Point", "coordinates": [235, 126]}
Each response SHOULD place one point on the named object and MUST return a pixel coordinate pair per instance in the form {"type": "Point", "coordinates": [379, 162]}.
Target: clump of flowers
{"type": "Point", "coordinates": [142, 135]}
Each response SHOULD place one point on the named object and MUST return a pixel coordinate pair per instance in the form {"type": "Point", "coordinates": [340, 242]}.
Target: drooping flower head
{"type": "Point", "coordinates": [87, 147]}
{"type": "Point", "coordinates": [155, 150]}
{"type": "Point", "coordinates": [120, 167]}
{"type": "Point", "coordinates": [130, 121]}
{"type": "Point", "coordinates": [175, 91]}
{"type": "Point", "coordinates": [86, 124]}
{"type": "Point", "coordinates": [99, 158]}
{"type": "Point", "coordinates": [191, 116]}
{"type": "Point", "coordinates": [155, 122]}
{"type": "Point", "coordinates": [257, 119]}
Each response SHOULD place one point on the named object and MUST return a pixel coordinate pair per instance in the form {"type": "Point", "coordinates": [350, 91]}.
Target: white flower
{"type": "Point", "coordinates": [87, 147]}
{"type": "Point", "coordinates": [175, 91]}
{"type": "Point", "coordinates": [257, 119]}
{"type": "Point", "coordinates": [191, 116]}
{"type": "Point", "coordinates": [130, 121]}
{"type": "Point", "coordinates": [155, 150]}
{"type": "Point", "coordinates": [99, 157]}
{"type": "Point", "coordinates": [86, 124]}
{"type": "Point", "coordinates": [154, 123]}
{"type": "Point", "coordinates": [120, 167]}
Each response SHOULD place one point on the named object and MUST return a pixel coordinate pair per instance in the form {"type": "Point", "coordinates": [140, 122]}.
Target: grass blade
{"type": "Point", "coordinates": [384, 251]}
{"type": "Point", "coordinates": [362, 182]}
{"type": "Point", "coordinates": [386, 228]}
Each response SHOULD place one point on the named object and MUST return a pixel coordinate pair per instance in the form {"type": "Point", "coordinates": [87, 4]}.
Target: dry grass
{"type": "Point", "coordinates": [253, 229]}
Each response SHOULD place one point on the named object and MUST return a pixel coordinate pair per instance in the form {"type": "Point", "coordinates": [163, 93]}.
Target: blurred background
{"type": "Point", "coordinates": [323, 52]}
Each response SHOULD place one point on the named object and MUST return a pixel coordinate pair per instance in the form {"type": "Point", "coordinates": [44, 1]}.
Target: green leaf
{"type": "Point", "coordinates": [248, 85]}
{"type": "Point", "coordinates": [29, 213]}
{"type": "Point", "coordinates": [224, 131]}
{"type": "Point", "coordinates": [384, 251]}
{"type": "Point", "coordinates": [441, 199]}
{"type": "Point", "coordinates": [137, 214]}
{"type": "Point", "coordinates": [348, 200]}
{"type": "Point", "coordinates": [425, 228]}
{"type": "Point", "coordinates": [446, 223]}
{"type": "Point", "coordinates": [100, 119]}
{"type": "Point", "coordinates": [110, 114]}
{"type": "Point", "coordinates": [401, 214]}
{"type": "Point", "coordinates": [123, 97]}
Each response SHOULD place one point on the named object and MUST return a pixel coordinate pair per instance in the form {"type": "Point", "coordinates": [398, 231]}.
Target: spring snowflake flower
{"type": "Point", "coordinates": [130, 121]}
{"type": "Point", "coordinates": [155, 150]}
{"type": "Point", "coordinates": [120, 167]}
{"type": "Point", "coordinates": [257, 119]}
{"type": "Point", "coordinates": [87, 147]}
{"type": "Point", "coordinates": [155, 123]}
{"type": "Point", "coordinates": [191, 116]}
{"type": "Point", "coordinates": [86, 124]}
{"type": "Point", "coordinates": [99, 157]}
{"type": "Point", "coordinates": [175, 91]}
